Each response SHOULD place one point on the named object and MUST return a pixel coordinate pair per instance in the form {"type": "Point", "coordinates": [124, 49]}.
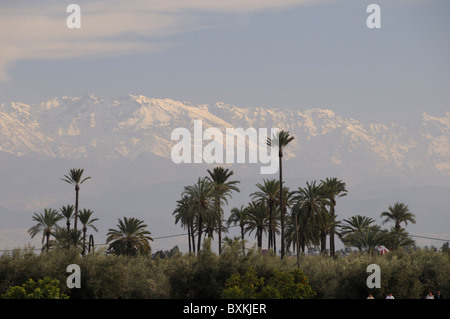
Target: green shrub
{"type": "Point", "coordinates": [245, 286]}
{"type": "Point", "coordinates": [291, 285]}
{"type": "Point", "coordinates": [281, 285]}
{"type": "Point", "coordinates": [42, 289]}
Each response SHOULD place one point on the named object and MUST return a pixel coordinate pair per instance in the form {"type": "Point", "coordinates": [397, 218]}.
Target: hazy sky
{"type": "Point", "coordinates": [271, 53]}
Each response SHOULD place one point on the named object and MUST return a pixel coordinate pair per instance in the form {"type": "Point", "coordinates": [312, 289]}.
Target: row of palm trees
{"type": "Point", "coordinates": [312, 217]}
{"type": "Point", "coordinates": [63, 237]}
{"type": "Point", "coordinates": [201, 203]}
{"type": "Point", "coordinates": [200, 208]}
{"type": "Point", "coordinates": [362, 232]}
{"type": "Point", "coordinates": [309, 212]}
{"type": "Point", "coordinates": [47, 222]}
{"type": "Point", "coordinates": [130, 238]}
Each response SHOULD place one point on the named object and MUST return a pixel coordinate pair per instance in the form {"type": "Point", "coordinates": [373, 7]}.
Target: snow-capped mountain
{"type": "Point", "coordinates": [99, 129]}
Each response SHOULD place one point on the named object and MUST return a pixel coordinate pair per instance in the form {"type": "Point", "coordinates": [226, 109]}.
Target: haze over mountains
{"type": "Point", "coordinates": [124, 143]}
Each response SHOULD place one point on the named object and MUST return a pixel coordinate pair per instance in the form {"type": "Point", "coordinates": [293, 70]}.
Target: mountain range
{"type": "Point", "coordinates": [126, 143]}
{"type": "Point", "coordinates": [126, 127]}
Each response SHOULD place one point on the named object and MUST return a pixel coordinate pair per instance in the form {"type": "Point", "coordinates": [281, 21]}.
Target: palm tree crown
{"type": "Point", "coordinates": [46, 222]}
{"type": "Point", "coordinates": [398, 213]}
{"type": "Point", "coordinates": [130, 238]}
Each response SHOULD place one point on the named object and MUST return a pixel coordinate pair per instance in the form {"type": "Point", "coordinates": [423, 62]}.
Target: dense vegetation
{"type": "Point", "coordinates": [408, 274]}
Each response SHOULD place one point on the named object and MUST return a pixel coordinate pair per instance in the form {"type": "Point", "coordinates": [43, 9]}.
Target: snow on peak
{"type": "Point", "coordinates": [134, 124]}
{"type": "Point", "coordinates": [444, 120]}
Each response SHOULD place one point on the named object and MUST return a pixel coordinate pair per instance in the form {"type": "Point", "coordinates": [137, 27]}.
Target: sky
{"type": "Point", "coordinates": [296, 54]}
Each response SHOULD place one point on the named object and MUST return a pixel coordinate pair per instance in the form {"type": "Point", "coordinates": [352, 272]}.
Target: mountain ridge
{"type": "Point", "coordinates": [127, 126]}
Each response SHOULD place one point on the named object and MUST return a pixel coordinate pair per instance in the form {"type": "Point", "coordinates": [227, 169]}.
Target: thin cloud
{"type": "Point", "coordinates": [39, 31]}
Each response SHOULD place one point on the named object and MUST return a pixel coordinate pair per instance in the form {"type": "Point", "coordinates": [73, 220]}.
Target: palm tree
{"type": "Point", "coordinates": [45, 223]}
{"type": "Point", "coordinates": [310, 203]}
{"type": "Point", "coordinates": [367, 240]}
{"type": "Point", "coordinates": [86, 221]}
{"type": "Point", "coordinates": [257, 220]}
{"type": "Point", "coordinates": [269, 194]}
{"type": "Point", "coordinates": [360, 232]}
{"type": "Point", "coordinates": [219, 177]}
{"type": "Point", "coordinates": [130, 238]}
{"type": "Point", "coordinates": [333, 189]}
{"type": "Point", "coordinates": [67, 213]}
{"type": "Point", "coordinates": [239, 216]}
{"type": "Point", "coordinates": [398, 213]}
{"type": "Point", "coordinates": [202, 196]}
{"type": "Point", "coordinates": [305, 234]}
{"type": "Point", "coordinates": [183, 214]}
{"type": "Point", "coordinates": [281, 140]}
{"type": "Point", "coordinates": [75, 178]}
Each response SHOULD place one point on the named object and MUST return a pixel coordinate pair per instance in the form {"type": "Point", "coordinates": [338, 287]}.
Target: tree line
{"type": "Point", "coordinates": [303, 217]}
{"type": "Point", "coordinates": [310, 216]}
{"type": "Point", "coordinates": [131, 236]}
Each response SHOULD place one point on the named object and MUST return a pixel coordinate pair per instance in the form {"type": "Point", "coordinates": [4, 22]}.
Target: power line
{"type": "Point", "coordinates": [429, 237]}
{"type": "Point", "coordinates": [185, 234]}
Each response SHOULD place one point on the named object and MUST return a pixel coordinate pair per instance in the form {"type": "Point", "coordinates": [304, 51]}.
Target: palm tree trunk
{"type": "Point", "coordinates": [48, 238]}
{"type": "Point", "coordinates": [189, 237]}
{"type": "Point", "coordinates": [68, 234]}
{"type": "Point", "coordinates": [274, 242]}
{"type": "Point", "coordinates": [298, 241]}
{"type": "Point", "coordinates": [220, 226]}
{"type": "Point", "coordinates": [200, 221]}
{"type": "Point", "coordinates": [332, 229]}
{"type": "Point", "coordinates": [191, 224]}
{"type": "Point", "coordinates": [84, 241]}
{"type": "Point", "coordinates": [323, 241]}
{"type": "Point", "coordinates": [332, 244]}
{"type": "Point", "coordinates": [280, 156]}
{"type": "Point", "coordinates": [269, 243]}
{"type": "Point", "coordinates": [77, 190]}
{"type": "Point", "coordinates": [242, 238]}
{"type": "Point", "coordinates": [302, 241]}
{"type": "Point", "coordinates": [260, 239]}
{"type": "Point", "coordinates": [220, 238]}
